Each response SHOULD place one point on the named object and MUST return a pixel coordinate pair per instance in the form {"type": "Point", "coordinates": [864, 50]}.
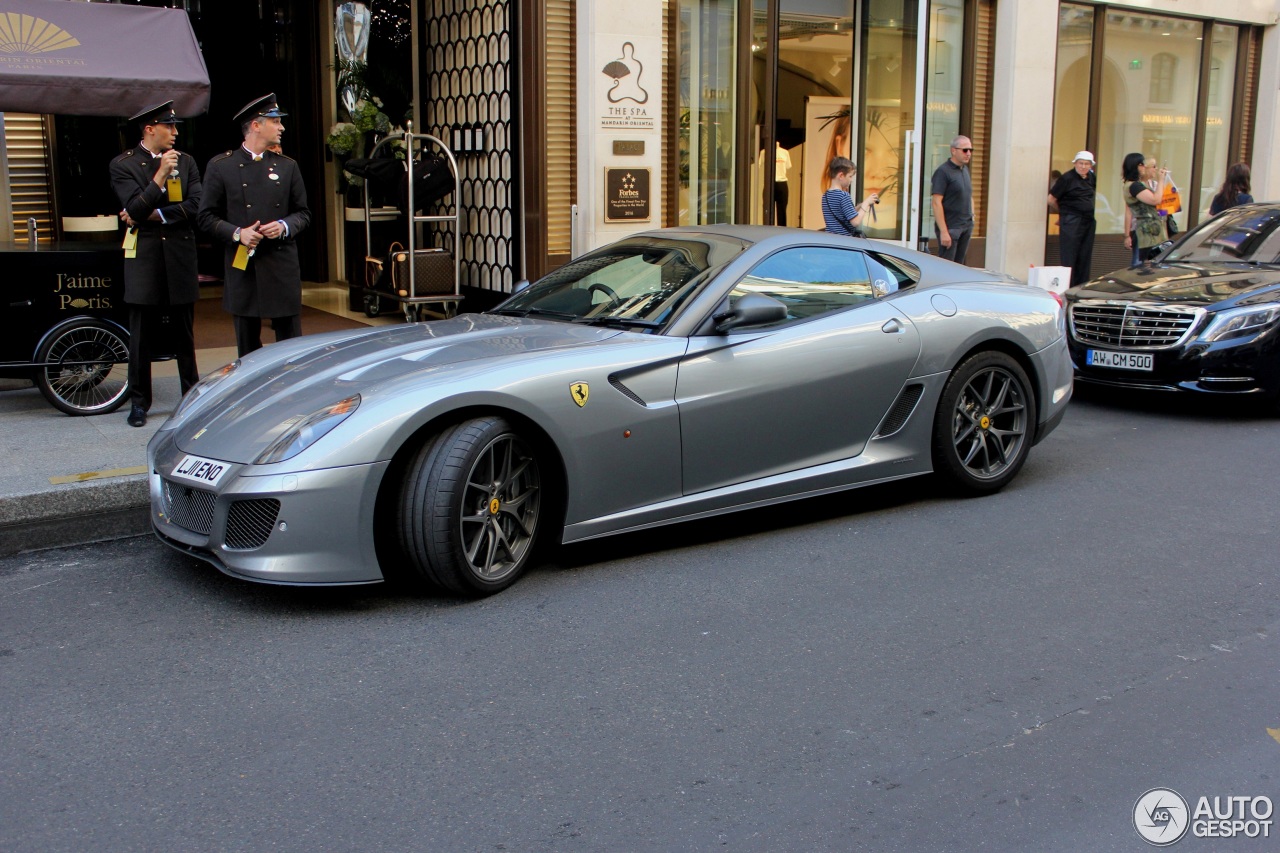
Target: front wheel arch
{"type": "Point", "coordinates": [392, 559]}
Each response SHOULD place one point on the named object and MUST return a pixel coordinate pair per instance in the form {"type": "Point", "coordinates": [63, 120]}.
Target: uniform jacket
{"type": "Point", "coordinates": [238, 192]}
{"type": "Point", "coordinates": [164, 269]}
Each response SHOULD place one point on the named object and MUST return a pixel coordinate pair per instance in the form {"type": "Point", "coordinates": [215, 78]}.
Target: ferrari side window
{"type": "Point", "coordinates": [810, 280]}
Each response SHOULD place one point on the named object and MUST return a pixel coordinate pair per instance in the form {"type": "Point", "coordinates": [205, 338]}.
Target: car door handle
{"type": "Point", "coordinates": [892, 326]}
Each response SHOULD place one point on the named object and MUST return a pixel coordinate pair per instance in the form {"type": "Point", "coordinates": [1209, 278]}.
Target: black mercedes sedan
{"type": "Point", "coordinates": [1202, 317]}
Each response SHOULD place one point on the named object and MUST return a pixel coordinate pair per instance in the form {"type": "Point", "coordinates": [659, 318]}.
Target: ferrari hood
{"type": "Point", "coordinates": [258, 403]}
{"type": "Point", "coordinates": [1186, 284]}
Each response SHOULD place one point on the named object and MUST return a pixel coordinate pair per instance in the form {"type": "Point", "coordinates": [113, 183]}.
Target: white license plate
{"type": "Point", "coordinates": [1122, 360]}
{"type": "Point", "coordinates": [197, 469]}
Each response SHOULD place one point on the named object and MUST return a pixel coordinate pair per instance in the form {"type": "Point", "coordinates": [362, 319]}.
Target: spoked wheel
{"type": "Point", "coordinates": [87, 370]}
{"type": "Point", "coordinates": [470, 507]}
{"type": "Point", "coordinates": [982, 431]}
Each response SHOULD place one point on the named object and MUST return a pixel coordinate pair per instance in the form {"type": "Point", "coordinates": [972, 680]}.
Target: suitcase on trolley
{"type": "Point", "coordinates": [432, 272]}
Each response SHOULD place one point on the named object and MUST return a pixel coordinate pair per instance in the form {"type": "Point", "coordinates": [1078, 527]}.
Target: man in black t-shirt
{"type": "Point", "coordinates": [1073, 195]}
{"type": "Point", "coordinates": [951, 196]}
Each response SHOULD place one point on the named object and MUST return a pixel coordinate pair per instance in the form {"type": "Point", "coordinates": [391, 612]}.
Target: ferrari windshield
{"type": "Point", "coordinates": [1242, 234]}
{"type": "Point", "coordinates": [637, 283]}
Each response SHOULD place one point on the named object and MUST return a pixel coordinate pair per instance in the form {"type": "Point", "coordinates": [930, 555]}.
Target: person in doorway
{"type": "Point", "coordinates": [951, 195]}
{"type": "Point", "coordinates": [255, 203]}
{"type": "Point", "coordinates": [1074, 195]}
{"type": "Point", "coordinates": [839, 214]}
{"type": "Point", "coordinates": [159, 190]}
{"type": "Point", "coordinates": [1148, 229]}
{"type": "Point", "coordinates": [1235, 190]}
{"type": "Point", "coordinates": [782, 164]}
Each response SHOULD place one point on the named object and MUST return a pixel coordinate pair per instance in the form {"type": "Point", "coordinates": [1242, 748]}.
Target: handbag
{"type": "Point", "coordinates": [1171, 226]}
{"type": "Point", "coordinates": [433, 271]}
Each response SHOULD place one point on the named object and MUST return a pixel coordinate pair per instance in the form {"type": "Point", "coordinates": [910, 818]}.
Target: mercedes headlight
{"type": "Point", "coordinates": [1240, 322]}
{"type": "Point", "coordinates": [200, 389]}
{"type": "Point", "coordinates": [301, 433]}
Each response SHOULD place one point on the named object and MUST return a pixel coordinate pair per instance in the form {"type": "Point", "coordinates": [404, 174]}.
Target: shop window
{"type": "Point", "coordinates": [1214, 157]}
{"type": "Point", "coordinates": [707, 83]}
{"type": "Point", "coordinates": [1139, 108]}
{"type": "Point", "coordinates": [942, 120]}
{"type": "Point", "coordinates": [1164, 69]}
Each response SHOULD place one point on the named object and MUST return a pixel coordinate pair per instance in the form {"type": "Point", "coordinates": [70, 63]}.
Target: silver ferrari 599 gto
{"type": "Point", "coordinates": [670, 376]}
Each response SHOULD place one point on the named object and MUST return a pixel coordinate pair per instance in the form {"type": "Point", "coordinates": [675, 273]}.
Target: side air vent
{"type": "Point", "coordinates": [627, 392]}
{"type": "Point", "coordinates": [901, 411]}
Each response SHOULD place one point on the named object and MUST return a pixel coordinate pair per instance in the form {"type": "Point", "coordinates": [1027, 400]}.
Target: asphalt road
{"type": "Point", "coordinates": [889, 669]}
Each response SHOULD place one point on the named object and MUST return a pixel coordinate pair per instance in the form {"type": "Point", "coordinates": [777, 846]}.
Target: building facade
{"type": "Point", "coordinates": [575, 122]}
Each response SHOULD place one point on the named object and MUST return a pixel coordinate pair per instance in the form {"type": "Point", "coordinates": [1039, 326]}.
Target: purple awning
{"type": "Point", "coordinates": [99, 59]}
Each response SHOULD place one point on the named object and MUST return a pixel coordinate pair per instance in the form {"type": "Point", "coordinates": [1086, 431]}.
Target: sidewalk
{"type": "Point", "coordinates": [71, 480]}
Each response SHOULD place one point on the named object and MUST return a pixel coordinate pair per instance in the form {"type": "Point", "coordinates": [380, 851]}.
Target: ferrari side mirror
{"type": "Point", "coordinates": [753, 309]}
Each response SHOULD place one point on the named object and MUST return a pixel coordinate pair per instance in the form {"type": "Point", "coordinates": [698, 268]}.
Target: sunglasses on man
{"type": "Point", "coordinates": [965, 150]}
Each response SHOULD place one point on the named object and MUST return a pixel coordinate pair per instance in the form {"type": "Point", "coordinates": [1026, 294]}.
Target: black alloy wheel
{"type": "Point", "coordinates": [470, 507]}
{"type": "Point", "coordinates": [982, 430]}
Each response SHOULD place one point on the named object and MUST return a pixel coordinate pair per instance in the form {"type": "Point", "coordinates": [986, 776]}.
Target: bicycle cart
{"type": "Point", "coordinates": [410, 276]}
{"type": "Point", "coordinates": [64, 324]}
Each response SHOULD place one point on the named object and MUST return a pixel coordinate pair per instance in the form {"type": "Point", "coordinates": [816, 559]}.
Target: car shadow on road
{"type": "Point", "coordinates": [768, 519]}
{"type": "Point", "coordinates": [201, 580]}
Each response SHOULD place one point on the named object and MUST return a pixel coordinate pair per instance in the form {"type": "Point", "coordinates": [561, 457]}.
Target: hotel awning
{"type": "Point", "coordinates": [99, 59]}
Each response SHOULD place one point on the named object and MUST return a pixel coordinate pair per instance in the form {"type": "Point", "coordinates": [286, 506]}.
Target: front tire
{"type": "Point", "coordinates": [470, 507]}
{"type": "Point", "coordinates": [87, 368]}
{"type": "Point", "coordinates": [982, 430]}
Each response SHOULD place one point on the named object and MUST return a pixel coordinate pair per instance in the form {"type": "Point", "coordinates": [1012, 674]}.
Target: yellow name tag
{"type": "Point", "coordinates": [130, 244]}
{"type": "Point", "coordinates": [175, 189]}
{"type": "Point", "coordinates": [242, 257]}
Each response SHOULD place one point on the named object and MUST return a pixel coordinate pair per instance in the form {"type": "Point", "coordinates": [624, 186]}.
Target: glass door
{"type": "Point", "coordinates": [892, 157]}
{"type": "Point", "coordinates": [846, 78]}
{"type": "Point", "coordinates": [801, 106]}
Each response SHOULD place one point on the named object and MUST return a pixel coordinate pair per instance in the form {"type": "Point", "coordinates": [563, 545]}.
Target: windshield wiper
{"type": "Point", "coordinates": [624, 322]}
{"type": "Point", "coordinates": [534, 312]}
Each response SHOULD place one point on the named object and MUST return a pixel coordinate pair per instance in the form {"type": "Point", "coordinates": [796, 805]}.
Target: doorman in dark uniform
{"type": "Point", "coordinates": [159, 188]}
{"type": "Point", "coordinates": [255, 204]}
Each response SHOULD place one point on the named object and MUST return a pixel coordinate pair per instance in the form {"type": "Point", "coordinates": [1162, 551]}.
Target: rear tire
{"type": "Point", "coordinates": [983, 428]}
{"type": "Point", "coordinates": [470, 507]}
{"type": "Point", "coordinates": [88, 372]}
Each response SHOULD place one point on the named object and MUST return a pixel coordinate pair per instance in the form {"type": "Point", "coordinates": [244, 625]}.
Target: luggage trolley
{"type": "Point", "coordinates": [416, 277]}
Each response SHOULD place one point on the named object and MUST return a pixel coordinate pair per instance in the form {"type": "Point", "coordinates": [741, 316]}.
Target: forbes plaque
{"type": "Point", "coordinates": [626, 195]}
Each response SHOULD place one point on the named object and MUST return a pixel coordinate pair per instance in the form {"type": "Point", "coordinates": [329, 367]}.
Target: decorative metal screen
{"type": "Point", "coordinates": [466, 63]}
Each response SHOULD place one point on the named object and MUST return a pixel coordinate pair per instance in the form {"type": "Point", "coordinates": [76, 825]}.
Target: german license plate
{"type": "Point", "coordinates": [197, 469]}
{"type": "Point", "coordinates": [1121, 360]}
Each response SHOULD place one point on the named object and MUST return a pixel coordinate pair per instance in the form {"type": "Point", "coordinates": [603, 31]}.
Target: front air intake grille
{"type": "Point", "coordinates": [189, 508]}
{"type": "Point", "coordinates": [901, 410]}
{"type": "Point", "coordinates": [1135, 326]}
{"type": "Point", "coordinates": [249, 523]}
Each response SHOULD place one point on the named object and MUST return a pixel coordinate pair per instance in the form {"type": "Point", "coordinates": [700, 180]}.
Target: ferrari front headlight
{"type": "Point", "coordinates": [301, 433]}
{"type": "Point", "coordinates": [200, 389]}
{"type": "Point", "coordinates": [1240, 322]}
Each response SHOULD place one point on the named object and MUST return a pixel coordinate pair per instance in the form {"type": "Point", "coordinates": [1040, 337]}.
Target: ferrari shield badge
{"type": "Point", "coordinates": [579, 391]}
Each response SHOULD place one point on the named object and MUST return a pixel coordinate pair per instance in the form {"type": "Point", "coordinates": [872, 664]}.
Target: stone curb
{"type": "Point", "coordinates": [74, 514]}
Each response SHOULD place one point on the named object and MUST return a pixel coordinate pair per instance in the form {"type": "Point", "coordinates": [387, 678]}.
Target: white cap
{"type": "Point", "coordinates": [1084, 155]}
